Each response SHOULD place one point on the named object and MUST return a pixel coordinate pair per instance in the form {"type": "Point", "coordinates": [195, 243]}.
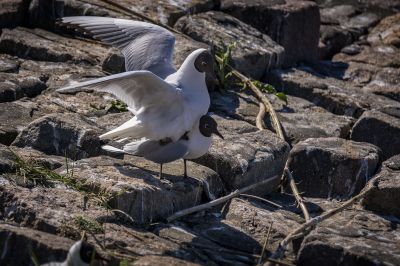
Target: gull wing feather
{"type": "Point", "coordinates": [158, 106]}
{"type": "Point", "coordinates": [145, 46]}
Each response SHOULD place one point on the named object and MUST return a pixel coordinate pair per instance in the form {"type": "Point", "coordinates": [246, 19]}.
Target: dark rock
{"type": "Point", "coordinates": [160, 260]}
{"type": "Point", "coordinates": [362, 22]}
{"type": "Point", "coordinates": [384, 190]}
{"type": "Point", "coordinates": [13, 12]}
{"type": "Point", "coordinates": [337, 14]}
{"type": "Point", "coordinates": [336, 32]}
{"type": "Point", "coordinates": [68, 135]}
{"type": "Point", "coordinates": [168, 12]}
{"type": "Point", "coordinates": [114, 63]}
{"type": "Point", "coordinates": [352, 238]}
{"type": "Point", "coordinates": [333, 167]}
{"type": "Point", "coordinates": [41, 45]}
{"type": "Point", "coordinates": [14, 86]}
{"type": "Point", "coordinates": [18, 243]}
{"type": "Point", "coordinates": [139, 192]}
{"type": "Point", "coordinates": [57, 74]}
{"type": "Point", "coordinates": [215, 239]}
{"type": "Point", "coordinates": [44, 13]}
{"type": "Point", "coordinates": [292, 24]}
{"type": "Point", "coordinates": [246, 155]}
{"type": "Point", "coordinates": [341, 26]}
{"type": "Point", "coordinates": [255, 218]}
{"type": "Point", "coordinates": [386, 83]}
{"type": "Point", "coordinates": [254, 53]}
{"type": "Point", "coordinates": [39, 158]}
{"type": "Point", "coordinates": [382, 56]}
{"type": "Point", "coordinates": [380, 8]}
{"type": "Point", "coordinates": [59, 211]}
{"type": "Point", "coordinates": [327, 91]}
{"type": "Point", "coordinates": [92, 105]}
{"type": "Point", "coordinates": [333, 39]}
{"type": "Point", "coordinates": [8, 65]}
{"type": "Point", "coordinates": [32, 86]}
{"type": "Point", "coordinates": [351, 49]}
{"type": "Point", "coordinates": [45, 209]}
{"type": "Point", "coordinates": [164, 12]}
{"type": "Point", "coordinates": [299, 118]}
{"type": "Point", "coordinates": [80, 8]}
{"type": "Point", "coordinates": [380, 127]}
{"type": "Point", "coordinates": [13, 119]}
{"type": "Point", "coordinates": [6, 160]}
{"type": "Point", "coordinates": [9, 92]}
{"type": "Point", "coordinates": [386, 32]}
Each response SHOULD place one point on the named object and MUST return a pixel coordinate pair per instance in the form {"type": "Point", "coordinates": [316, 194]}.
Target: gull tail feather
{"type": "Point", "coordinates": [112, 149]}
{"type": "Point", "coordinates": [130, 129]}
{"type": "Point", "coordinates": [131, 148]}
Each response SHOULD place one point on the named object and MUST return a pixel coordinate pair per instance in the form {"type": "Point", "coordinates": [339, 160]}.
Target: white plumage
{"type": "Point", "coordinates": [167, 103]}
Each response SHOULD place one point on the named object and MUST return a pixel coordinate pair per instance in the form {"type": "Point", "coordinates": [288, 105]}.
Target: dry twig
{"type": "Point", "coordinates": [262, 199]}
{"type": "Point", "coordinates": [304, 228]}
{"type": "Point", "coordinates": [265, 244]}
{"type": "Point", "coordinates": [219, 200]}
{"type": "Point", "coordinates": [296, 194]}
{"type": "Point", "coordinates": [260, 117]}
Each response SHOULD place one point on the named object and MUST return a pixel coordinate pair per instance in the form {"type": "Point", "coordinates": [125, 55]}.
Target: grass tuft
{"type": "Point", "coordinates": [224, 74]}
{"type": "Point", "coordinates": [38, 175]}
{"type": "Point", "coordinates": [117, 106]}
{"type": "Point", "coordinates": [88, 225]}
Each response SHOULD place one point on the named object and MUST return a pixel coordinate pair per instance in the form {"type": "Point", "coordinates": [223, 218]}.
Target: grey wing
{"type": "Point", "coordinates": [155, 151]}
{"type": "Point", "coordinates": [145, 46]}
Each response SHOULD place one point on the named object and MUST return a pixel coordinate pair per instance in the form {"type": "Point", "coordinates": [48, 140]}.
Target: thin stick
{"type": "Point", "coordinates": [279, 262]}
{"type": "Point", "coordinates": [302, 229]}
{"type": "Point", "coordinates": [265, 244]}
{"type": "Point", "coordinates": [296, 194]}
{"type": "Point", "coordinates": [125, 214]}
{"type": "Point", "coordinates": [219, 200]}
{"type": "Point", "coordinates": [260, 117]}
{"type": "Point", "coordinates": [262, 199]}
{"type": "Point", "coordinates": [261, 97]}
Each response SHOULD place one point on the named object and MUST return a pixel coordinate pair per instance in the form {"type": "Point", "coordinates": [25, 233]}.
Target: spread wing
{"type": "Point", "coordinates": [145, 46]}
{"type": "Point", "coordinates": [158, 106]}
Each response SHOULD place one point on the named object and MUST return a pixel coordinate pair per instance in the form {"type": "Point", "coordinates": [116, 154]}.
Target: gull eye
{"type": "Point", "coordinates": [204, 63]}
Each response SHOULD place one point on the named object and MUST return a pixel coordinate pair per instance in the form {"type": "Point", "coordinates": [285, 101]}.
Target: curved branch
{"type": "Point", "coordinates": [219, 200]}
{"type": "Point", "coordinates": [296, 193]}
{"type": "Point", "coordinates": [260, 117]}
{"type": "Point", "coordinates": [304, 228]}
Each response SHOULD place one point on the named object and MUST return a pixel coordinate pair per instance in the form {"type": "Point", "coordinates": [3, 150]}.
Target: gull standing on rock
{"type": "Point", "coordinates": [167, 103]}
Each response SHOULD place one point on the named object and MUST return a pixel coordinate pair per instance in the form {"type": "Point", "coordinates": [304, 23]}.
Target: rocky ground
{"type": "Point", "coordinates": [339, 63]}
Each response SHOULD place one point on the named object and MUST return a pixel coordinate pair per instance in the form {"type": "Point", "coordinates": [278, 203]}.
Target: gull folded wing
{"type": "Point", "coordinates": [145, 46]}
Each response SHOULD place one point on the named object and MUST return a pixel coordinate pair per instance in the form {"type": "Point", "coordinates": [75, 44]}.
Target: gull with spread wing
{"type": "Point", "coordinates": [167, 103]}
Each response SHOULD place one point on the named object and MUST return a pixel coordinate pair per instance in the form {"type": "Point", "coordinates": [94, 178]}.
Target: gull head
{"type": "Point", "coordinates": [209, 126]}
{"type": "Point", "coordinates": [200, 61]}
{"type": "Point", "coordinates": [204, 62]}
{"type": "Point", "coordinates": [81, 254]}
